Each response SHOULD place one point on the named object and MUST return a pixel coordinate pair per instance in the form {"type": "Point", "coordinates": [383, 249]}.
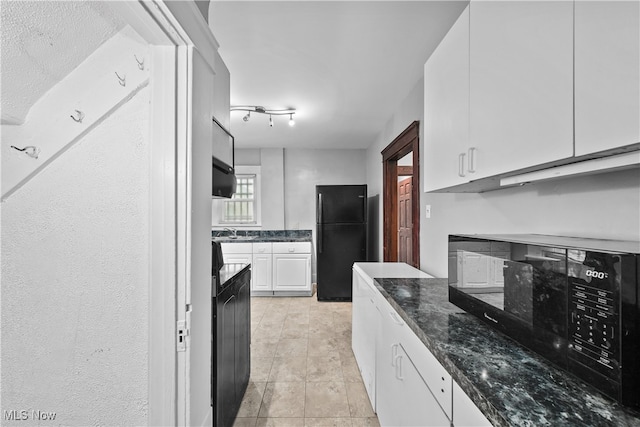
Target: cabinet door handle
{"type": "Point", "coordinates": [394, 354]}
{"type": "Point", "coordinates": [399, 368]}
{"type": "Point", "coordinates": [461, 164]}
{"type": "Point", "coordinates": [292, 250]}
{"type": "Point", "coordinates": [395, 318]}
{"type": "Point", "coordinates": [472, 160]}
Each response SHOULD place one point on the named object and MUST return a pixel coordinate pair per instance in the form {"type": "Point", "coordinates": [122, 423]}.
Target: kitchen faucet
{"type": "Point", "coordinates": [232, 230]}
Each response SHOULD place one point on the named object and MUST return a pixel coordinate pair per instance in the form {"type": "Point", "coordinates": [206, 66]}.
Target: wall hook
{"type": "Point", "coordinates": [121, 80]}
{"type": "Point", "coordinates": [29, 150]}
{"type": "Point", "coordinates": [80, 115]}
{"type": "Point", "coordinates": [140, 63]}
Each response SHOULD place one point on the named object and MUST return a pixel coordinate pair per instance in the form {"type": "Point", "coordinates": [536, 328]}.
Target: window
{"type": "Point", "coordinates": [241, 208]}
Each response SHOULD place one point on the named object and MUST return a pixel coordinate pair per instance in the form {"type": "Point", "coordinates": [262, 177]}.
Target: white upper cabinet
{"type": "Point", "coordinates": [521, 85]}
{"type": "Point", "coordinates": [607, 75]}
{"type": "Point", "coordinates": [446, 108]}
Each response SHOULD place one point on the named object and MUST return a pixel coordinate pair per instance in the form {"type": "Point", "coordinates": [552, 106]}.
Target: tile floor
{"type": "Point", "coordinates": [303, 372]}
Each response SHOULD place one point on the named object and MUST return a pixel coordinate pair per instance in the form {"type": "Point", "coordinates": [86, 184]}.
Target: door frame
{"type": "Point", "coordinates": [407, 142]}
{"type": "Point", "coordinates": [172, 30]}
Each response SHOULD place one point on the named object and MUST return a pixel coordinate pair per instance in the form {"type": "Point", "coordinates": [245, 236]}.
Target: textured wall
{"type": "Point", "coordinates": [75, 279]}
{"type": "Point", "coordinates": [40, 47]}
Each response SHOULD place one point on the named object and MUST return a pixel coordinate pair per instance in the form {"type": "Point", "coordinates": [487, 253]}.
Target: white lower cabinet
{"type": "Point", "coordinates": [407, 385]}
{"type": "Point", "coordinates": [365, 330]}
{"type": "Point", "coordinates": [262, 268]}
{"type": "Point", "coordinates": [291, 272]}
{"type": "Point", "coordinates": [412, 388]}
{"type": "Point", "coordinates": [282, 268]}
{"type": "Point", "coordinates": [465, 412]}
{"type": "Point", "coordinates": [292, 267]}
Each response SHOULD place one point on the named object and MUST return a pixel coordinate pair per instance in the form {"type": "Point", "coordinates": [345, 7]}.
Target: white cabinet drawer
{"type": "Point", "coordinates": [262, 248]}
{"type": "Point", "coordinates": [236, 248]}
{"type": "Point", "coordinates": [291, 248]}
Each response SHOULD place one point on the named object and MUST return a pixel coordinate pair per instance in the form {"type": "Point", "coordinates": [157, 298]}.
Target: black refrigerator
{"type": "Point", "coordinates": [341, 238]}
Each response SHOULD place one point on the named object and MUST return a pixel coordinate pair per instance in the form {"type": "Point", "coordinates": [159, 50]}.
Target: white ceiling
{"type": "Point", "coordinates": [344, 65]}
{"type": "Point", "coordinates": [42, 42]}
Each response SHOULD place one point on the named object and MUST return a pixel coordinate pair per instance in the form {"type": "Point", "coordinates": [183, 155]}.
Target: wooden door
{"type": "Point", "coordinates": [407, 142]}
{"type": "Point", "coordinates": [405, 221]}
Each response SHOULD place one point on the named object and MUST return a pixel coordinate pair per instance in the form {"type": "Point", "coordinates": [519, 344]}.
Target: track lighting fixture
{"type": "Point", "coordinates": [258, 109]}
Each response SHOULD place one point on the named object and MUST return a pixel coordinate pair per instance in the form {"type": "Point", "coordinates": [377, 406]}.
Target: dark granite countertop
{"type": "Point", "coordinates": [511, 385]}
{"type": "Point", "coordinates": [263, 236]}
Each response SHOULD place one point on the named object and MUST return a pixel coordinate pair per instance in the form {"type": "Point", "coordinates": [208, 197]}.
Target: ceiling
{"type": "Point", "coordinates": [42, 42]}
{"type": "Point", "coordinates": [345, 66]}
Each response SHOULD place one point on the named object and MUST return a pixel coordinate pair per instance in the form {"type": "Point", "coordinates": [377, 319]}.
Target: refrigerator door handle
{"type": "Point", "coordinates": [320, 232]}
{"type": "Point", "coordinates": [319, 213]}
{"type": "Point", "coordinates": [364, 207]}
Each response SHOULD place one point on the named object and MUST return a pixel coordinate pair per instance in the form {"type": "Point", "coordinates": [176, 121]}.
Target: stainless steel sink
{"type": "Point", "coordinates": [241, 237]}
{"type": "Point", "coordinates": [234, 238]}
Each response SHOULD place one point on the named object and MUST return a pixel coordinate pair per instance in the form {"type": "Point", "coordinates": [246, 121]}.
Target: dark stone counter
{"type": "Point", "coordinates": [511, 385]}
{"type": "Point", "coordinates": [261, 236]}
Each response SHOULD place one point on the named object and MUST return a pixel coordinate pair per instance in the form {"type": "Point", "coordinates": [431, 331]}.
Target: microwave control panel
{"type": "Point", "coordinates": [593, 312]}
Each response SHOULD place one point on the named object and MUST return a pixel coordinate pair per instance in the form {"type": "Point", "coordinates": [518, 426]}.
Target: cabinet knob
{"type": "Point", "coordinates": [292, 250]}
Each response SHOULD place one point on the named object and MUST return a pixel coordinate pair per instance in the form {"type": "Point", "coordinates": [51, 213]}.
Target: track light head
{"type": "Point", "coordinates": [262, 110]}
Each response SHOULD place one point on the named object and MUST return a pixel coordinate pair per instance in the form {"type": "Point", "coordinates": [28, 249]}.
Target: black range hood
{"type": "Point", "coordinates": [224, 179]}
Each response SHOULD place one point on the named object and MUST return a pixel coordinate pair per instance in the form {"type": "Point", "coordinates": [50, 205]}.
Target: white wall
{"type": "Point", "coordinates": [75, 280]}
{"type": "Point", "coordinates": [273, 181]}
{"type": "Point", "coordinates": [410, 111]}
{"type": "Point", "coordinates": [289, 179]}
{"type": "Point", "coordinates": [304, 169]}
{"type": "Point", "coordinates": [600, 206]}
{"type": "Point", "coordinates": [200, 412]}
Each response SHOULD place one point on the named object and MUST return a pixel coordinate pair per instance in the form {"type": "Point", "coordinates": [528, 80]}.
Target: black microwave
{"type": "Point", "coordinates": [572, 300]}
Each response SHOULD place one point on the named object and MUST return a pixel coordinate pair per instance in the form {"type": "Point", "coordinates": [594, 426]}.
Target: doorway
{"type": "Point", "coordinates": [405, 220]}
{"type": "Point", "coordinates": [401, 209]}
